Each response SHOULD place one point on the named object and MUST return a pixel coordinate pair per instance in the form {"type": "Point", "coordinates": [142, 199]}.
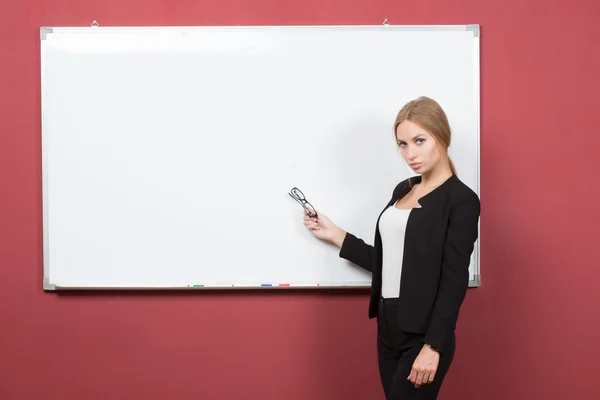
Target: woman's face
{"type": "Point", "coordinates": [418, 147]}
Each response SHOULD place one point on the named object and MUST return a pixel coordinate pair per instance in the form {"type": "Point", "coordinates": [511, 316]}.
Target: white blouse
{"type": "Point", "coordinates": [392, 228]}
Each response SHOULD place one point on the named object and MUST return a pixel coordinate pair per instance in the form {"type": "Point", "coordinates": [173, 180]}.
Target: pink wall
{"type": "Point", "coordinates": [530, 332]}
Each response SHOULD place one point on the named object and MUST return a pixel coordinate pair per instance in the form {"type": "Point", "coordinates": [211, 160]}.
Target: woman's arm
{"type": "Point", "coordinates": [351, 248]}
{"type": "Point", "coordinates": [460, 239]}
{"type": "Point", "coordinates": [357, 251]}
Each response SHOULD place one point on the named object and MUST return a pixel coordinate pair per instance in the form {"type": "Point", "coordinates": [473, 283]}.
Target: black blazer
{"type": "Point", "coordinates": [439, 241]}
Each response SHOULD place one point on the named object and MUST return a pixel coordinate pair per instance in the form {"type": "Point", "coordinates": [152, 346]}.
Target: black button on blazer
{"type": "Point", "coordinates": [439, 242]}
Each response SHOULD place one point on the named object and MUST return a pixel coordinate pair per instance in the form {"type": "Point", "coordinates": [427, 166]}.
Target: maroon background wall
{"type": "Point", "coordinates": [529, 332]}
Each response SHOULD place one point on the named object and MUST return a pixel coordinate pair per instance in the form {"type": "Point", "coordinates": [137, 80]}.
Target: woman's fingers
{"type": "Point", "coordinates": [425, 378]}
{"type": "Point", "coordinates": [419, 379]}
{"type": "Point", "coordinates": [413, 375]}
{"type": "Point", "coordinates": [420, 376]}
{"type": "Point", "coordinates": [430, 378]}
{"type": "Point", "coordinates": [311, 223]}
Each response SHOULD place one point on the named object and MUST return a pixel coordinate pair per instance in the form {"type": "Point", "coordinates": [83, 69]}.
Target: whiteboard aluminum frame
{"type": "Point", "coordinates": [46, 31]}
{"type": "Point", "coordinates": [476, 281]}
{"type": "Point", "coordinates": [45, 226]}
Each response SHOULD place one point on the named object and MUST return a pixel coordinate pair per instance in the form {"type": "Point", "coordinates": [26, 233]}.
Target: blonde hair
{"type": "Point", "coordinates": [428, 114]}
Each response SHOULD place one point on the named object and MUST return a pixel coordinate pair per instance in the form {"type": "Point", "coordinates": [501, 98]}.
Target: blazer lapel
{"type": "Point", "coordinates": [404, 188]}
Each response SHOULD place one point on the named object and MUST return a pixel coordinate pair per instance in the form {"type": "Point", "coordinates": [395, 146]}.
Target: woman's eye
{"type": "Point", "coordinates": [420, 140]}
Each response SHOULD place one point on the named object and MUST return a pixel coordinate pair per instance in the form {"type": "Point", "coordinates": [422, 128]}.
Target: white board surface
{"type": "Point", "coordinates": [169, 152]}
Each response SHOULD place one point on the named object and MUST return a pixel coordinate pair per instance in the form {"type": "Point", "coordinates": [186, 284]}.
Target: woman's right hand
{"type": "Point", "coordinates": [323, 228]}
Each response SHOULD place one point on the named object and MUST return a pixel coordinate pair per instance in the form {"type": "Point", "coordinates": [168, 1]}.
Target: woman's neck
{"type": "Point", "coordinates": [437, 176]}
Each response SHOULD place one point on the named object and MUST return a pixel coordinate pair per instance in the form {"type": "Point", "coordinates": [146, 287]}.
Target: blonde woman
{"type": "Point", "coordinates": [424, 239]}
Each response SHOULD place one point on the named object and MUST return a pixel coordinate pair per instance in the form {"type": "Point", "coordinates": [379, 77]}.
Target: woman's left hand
{"type": "Point", "coordinates": [424, 367]}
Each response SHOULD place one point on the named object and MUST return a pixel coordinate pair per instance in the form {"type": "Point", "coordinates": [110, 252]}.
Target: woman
{"type": "Point", "coordinates": [424, 239]}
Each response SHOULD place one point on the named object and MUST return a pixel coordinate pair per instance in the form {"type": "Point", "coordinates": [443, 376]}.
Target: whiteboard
{"type": "Point", "coordinates": [169, 152]}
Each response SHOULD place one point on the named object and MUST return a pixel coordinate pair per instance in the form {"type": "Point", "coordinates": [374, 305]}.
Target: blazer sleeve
{"type": "Point", "coordinates": [358, 252]}
{"type": "Point", "coordinates": [461, 235]}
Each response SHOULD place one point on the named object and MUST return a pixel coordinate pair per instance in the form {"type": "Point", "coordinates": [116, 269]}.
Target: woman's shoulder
{"type": "Point", "coordinates": [460, 192]}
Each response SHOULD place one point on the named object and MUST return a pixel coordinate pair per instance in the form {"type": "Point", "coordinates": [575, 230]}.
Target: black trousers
{"type": "Point", "coordinates": [397, 351]}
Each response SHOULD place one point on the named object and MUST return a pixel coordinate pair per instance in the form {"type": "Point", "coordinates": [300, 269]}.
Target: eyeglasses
{"type": "Point", "coordinates": [297, 195]}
